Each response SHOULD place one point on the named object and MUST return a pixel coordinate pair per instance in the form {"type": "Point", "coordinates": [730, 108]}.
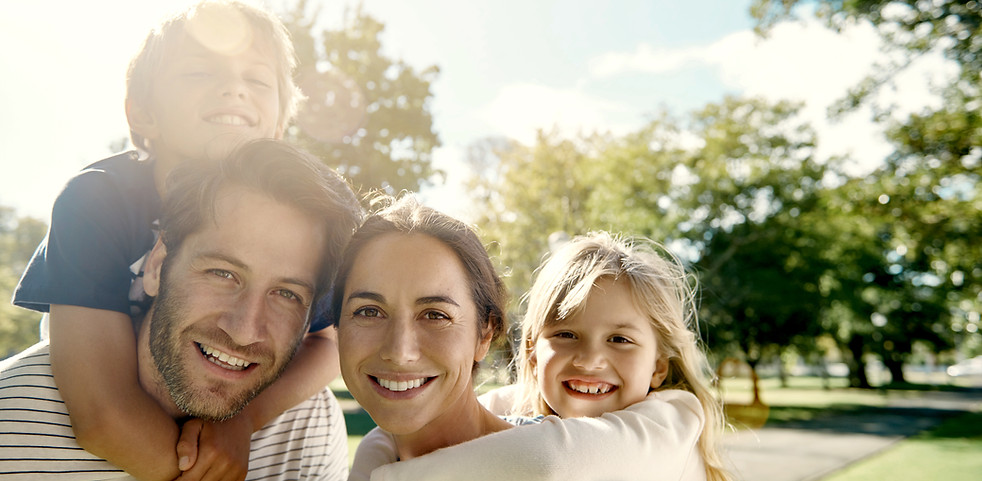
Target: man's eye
{"type": "Point", "coordinates": [288, 294]}
{"type": "Point", "coordinates": [222, 273]}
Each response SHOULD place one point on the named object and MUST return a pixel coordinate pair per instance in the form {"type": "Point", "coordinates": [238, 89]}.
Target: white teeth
{"type": "Point", "coordinates": [228, 119]}
{"type": "Point", "coordinates": [591, 388]}
{"type": "Point", "coordinates": [224, 359]}
{"type": "Point", "coordinates": [399, 386]}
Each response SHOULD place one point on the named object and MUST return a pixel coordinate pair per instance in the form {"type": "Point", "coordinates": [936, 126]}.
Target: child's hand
{"type": "Point", "coordinates": [214, 451]}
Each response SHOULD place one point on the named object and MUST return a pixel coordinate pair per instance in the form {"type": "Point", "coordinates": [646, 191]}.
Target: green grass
{"type": "Point", "coordinates": [952, 452]}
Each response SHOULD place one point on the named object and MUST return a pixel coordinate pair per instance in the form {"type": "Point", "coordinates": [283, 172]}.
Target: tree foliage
{"type": "Point", "coordinates": [18, 239]}
{"type": "Point", "coordinates": [366, 115]}
{"type": "Point", "coordinates": [925, 275]}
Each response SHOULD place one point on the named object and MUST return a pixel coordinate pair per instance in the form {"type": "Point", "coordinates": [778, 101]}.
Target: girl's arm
{"type": "Point", "coordinates": [93, 358]}
{"type": "Point", "coordinates": [377, 448]}
{"type": "Point", "coordinates": [657, 435]}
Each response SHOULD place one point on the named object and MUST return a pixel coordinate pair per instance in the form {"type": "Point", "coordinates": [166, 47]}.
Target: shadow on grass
{"type": "Point", "coordinates": [854, 419]}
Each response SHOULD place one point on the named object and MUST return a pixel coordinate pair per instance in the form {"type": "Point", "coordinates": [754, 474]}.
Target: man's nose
{"type": "Point", "coordinates": [245, 322]}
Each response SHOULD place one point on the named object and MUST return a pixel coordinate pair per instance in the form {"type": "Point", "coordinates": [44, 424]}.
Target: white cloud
{"type": "Point", "coordinates": [520, 109]}
{"type": "Point", "coordinates": [806, 62]}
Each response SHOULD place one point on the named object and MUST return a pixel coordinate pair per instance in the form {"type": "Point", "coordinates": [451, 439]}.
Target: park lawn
{"type": "Point", "coordinates": [952, 452]}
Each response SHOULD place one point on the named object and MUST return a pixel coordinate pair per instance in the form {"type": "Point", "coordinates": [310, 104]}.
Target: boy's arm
{"type": "Point", "coordinates": [314, 366]}
{"type": "Point", "coordinates": [657, 435]}
{"type": "Point", "coordinates": [93, 358]}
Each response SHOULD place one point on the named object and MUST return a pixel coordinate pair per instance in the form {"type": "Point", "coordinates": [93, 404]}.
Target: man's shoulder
{"type": "Point", "coordinates": [308, 441]}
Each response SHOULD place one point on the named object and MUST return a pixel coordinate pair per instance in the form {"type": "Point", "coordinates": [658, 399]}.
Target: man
{"type": "Point", "coordinates": [247, 247]}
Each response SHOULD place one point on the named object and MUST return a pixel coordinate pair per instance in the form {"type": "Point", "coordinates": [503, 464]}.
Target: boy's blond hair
{"type": "Point", "coordinates": [661, 289]}
{"type": "Point", "coordinates": [146, 64]}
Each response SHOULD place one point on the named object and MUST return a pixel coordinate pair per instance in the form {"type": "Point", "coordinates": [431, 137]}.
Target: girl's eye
{"type": "Point", "coordinates": [367, 312]}
{"type": "Point", "coordinates": [260, 82]}
{"type": "Point", "coordinates": [621, 340]}
{"type": "Point", "coordinates": [564, 335]}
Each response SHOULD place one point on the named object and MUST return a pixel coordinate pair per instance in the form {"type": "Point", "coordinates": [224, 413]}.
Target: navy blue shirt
{"type": "Point", "coordinates": [101, 224]}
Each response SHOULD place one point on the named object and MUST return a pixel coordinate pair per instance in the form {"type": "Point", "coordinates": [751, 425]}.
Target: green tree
{"type": "Point", "coordinates": [740, 202]}
{"type": "Point", "coordinates": [18, 239]}
{"type": "Point", "coordinates": [929, 281]}
{"type": "Point", "coordinates": [366, 115]}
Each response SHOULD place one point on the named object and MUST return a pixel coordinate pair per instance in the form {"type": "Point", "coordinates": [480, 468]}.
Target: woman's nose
{"type": "Point", "coordinates": [401, 343]}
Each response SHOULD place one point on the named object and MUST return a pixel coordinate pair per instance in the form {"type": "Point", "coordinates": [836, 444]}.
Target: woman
{"type": "Point", "coordinates": [418, 304]}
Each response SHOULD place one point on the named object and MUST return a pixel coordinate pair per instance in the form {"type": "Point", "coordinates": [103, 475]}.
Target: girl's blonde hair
{"type": "Point", "coordinates": [661, 288]}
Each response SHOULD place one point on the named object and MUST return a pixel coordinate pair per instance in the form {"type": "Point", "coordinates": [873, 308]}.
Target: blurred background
{"type": "Point", "coordinates": [816, 162]}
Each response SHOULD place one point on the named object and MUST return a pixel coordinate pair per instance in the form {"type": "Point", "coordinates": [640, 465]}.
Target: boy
{"type": "Point", "coordinates": [203, 82]}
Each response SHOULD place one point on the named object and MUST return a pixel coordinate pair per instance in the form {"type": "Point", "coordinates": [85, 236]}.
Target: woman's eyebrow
{"type": "Point", "coordinates": [372, 296]}
{"type": "Point", "coordinates": [436, 300]}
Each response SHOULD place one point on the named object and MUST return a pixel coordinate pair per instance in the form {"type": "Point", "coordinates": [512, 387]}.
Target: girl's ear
{"type": "Point", "coordinates": [151, 268]}
{"type": "Point", "coordinates": [661, 372]}
{"type": "Point", "coordinates": [141, 120]}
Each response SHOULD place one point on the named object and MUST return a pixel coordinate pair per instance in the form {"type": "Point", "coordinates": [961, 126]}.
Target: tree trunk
{"type": "Point", "coordinates": [857, 368]}
{"type": "Point", "coordinates": [896, 368]}
{"type": "Point", "coordinates": [756, 381]}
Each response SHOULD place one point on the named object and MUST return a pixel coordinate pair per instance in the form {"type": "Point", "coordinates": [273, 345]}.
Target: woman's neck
{"type": "Point", "coordinates": [455, 426]}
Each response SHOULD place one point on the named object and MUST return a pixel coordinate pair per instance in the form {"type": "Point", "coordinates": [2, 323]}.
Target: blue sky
{"type": "Point", "coordinates": [507, 68]}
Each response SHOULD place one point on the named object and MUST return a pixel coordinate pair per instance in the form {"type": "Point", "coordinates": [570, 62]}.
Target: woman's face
{"type": "Point", "coordinates": [408, 332]}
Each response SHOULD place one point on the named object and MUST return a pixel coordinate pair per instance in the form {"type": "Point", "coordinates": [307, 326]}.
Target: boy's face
{"type": "Point", "coordinates": [602, 359]}
{"type": "Point", "coordinates": [204, 103]}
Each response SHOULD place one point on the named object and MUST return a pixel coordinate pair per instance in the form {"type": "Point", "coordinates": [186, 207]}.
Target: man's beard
{"type": "Point", "coordinates": [214, 404]}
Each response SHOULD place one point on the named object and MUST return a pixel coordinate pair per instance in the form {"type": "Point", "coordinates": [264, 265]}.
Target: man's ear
{"type": "Point", "coordinates": [141, 120]}
{"type": "Point", "coordinates": [661, 372]}
{"type": "Point", "coordinates": [151, 268]}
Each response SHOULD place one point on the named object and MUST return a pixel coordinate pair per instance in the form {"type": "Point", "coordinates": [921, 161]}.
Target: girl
{"type": "Point", "coordinates": [608, 355]}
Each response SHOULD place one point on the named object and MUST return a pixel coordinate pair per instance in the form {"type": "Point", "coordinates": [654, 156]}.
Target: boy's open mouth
{"type": "Point", "coordinates": [229, 119]}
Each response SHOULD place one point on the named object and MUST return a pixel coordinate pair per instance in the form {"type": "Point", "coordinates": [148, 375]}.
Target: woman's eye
{"type": "Point", "coordinates": [436, 316]}
{"type": "Point", "coordinates": [367, 312]}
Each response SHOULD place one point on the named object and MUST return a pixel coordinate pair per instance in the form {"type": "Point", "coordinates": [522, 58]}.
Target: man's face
{"type": "Point", "coordinates": [231, 304]}
{"type": "Point", "coordinates": [205, 102]}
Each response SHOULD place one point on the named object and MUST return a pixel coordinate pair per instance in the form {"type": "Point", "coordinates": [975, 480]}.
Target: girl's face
{"type": "Point", "coordinates": [602, 359]}
{"type": "Point", "coordinates": [408, 333]}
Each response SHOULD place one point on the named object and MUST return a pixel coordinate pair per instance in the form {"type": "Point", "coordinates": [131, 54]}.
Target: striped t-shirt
{"type": "Point", "coordinates": [308, 442]}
